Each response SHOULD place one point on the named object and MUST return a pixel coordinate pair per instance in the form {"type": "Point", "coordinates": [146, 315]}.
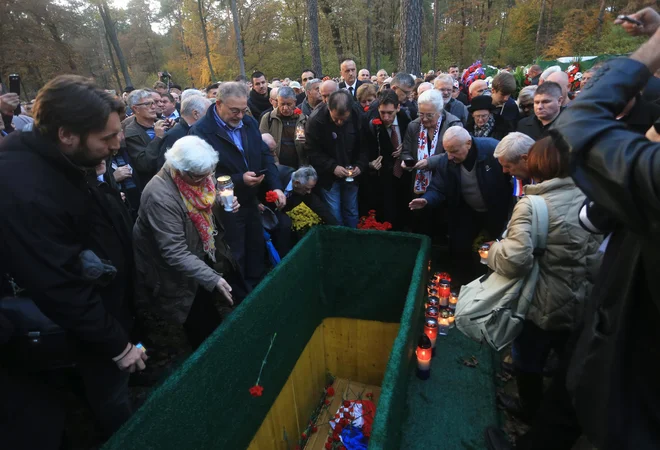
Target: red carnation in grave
{"type": "Point", "coordinates": [297, 111]}
{"type": "Point", "coordinates": [370, 395]}
{"type": "Point", "coordinates": [341, 447]}
{"type": "Point", "coordinates": [328, 445]}
{"type": "Point", "coordinates": [256, 390]}
{"type": "Point", "coordinates": [303, 435]}
{"type": "Point", "coordinates": [347, 404]}
{"type": "Point", "coordinates": [377, 121]}
{"type": "Point", "coordinates": [330, 391]}
{"type": "Point", "coordinates": [271, 197]}
{"type": "Point", "coordinates": [329, 439]}
{"type": "Point", "coordinates": [335, 437]}
{"type": "Point", "coordinates": [314, 429]}
{"type": "Point", "coordinates": [327, 402]}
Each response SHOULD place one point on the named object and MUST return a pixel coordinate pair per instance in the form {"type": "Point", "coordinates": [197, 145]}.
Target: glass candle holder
{"type": "Point", "coordinates": [432, 312]}
{"type": "Point", "coordinates": [432, 301]}
{"type": "Point", "coordinates": [424, 353]}
{"type": "Point", "coordinates": [300, 132]}
{"type": "Point", "coordinates": [431, 330]}
{"type": "Point", "coordinates": [444, 289]}
{"type": "Point", "coordinates": [483, 253]}
{"type": "Point", "coordinates": [451, 319]}
{"type": "Point", "coordinates": [349, 178]}
{"type": "Point", "coordinates": [453, 300]}
{"type": "Point", "coordinates": [225, 189]}
{"type": "Point", "coordinates": [443, 326]}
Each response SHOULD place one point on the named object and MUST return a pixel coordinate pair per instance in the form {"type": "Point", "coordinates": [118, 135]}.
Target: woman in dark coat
{"type": "Point", "coordinates": [482, 122]}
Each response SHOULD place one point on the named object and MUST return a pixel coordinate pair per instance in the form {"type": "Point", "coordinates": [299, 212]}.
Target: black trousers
{"type": "Point", "coordinates": [245, 236]}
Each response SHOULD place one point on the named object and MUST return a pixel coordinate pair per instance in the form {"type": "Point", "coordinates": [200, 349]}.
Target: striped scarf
{"type": "Point", "coordinates": [199, 202]}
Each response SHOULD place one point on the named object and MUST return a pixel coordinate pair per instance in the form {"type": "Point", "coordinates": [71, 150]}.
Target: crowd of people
{"type": "Point", "coordinates": [113, 218]}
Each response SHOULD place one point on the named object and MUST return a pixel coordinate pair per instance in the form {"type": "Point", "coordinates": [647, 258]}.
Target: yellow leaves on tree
{"type": "Point", "coordinates": [579, 25]}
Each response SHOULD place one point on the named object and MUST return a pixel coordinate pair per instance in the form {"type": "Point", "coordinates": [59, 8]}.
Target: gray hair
{"type": "Point", "coordinates": [425, 86]}
{"type": "Point", "coordinates": [527, 94]}
{"type": "Point", "coordinates": [304, 174]}
{"type": "Point", "coordinates": [513, 146]}
{"type": "Point", "coordinates": [310, 84]}
{"type": "Point", "coordinates": [195, 103]}
{"type": "Point", "coordinates": [286, 92]}
{"type": "Point", "coordinates": [432, 97]}
{"type": "Point", "coordinates": [192, 154]}
{"type": "Point", "coordinates": [273, 93]}
{"type": "Point", "coordinates": [137, 96]}
{"type": "Point", "coordinates": [456, 132]}
{"type": "Point", "coordinates": [446, 78]}
{"type": "Point", "coordinates": [190, 92]}
{"type": "Point", "coordinates": [403, 80]}
{"type": "Point", "coordinates": [552, 69]}
{"type": "Point", "coordinates": [232, 89]}
{"type": "Point", "coordinates": [381, 70]}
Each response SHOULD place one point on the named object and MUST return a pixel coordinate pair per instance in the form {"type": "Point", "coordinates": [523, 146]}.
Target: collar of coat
{"type": "Point", "coordinates": [549, 185]}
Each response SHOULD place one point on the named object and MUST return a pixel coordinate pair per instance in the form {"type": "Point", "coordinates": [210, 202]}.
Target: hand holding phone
{"type": "Point", "coordinates": [644, 22]}
{"type": "Point", "coordinates": [263, 171]}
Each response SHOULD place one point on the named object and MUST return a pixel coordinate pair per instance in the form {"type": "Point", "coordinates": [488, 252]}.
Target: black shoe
{"type": "Point", "coordinates": [512, 405]}
{"type": "Point", "coordinates": [497, 440]}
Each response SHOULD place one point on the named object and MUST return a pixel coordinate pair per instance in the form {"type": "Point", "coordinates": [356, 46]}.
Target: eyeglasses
{"type": "Point", "coordinates": [481, 116]}
{"type": "Point", "coordinates": [237, 111]}
{"type": "Point", "coordinates": [147, 104]}
{"type": "Point", "coordinates": [195, 177]}
{"type": "Point", "coordinates": [427, 115]}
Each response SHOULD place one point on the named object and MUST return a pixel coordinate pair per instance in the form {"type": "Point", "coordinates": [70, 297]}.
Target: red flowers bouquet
{"type": "Point", "coordinates": [574, 76]}
{"type": "Point", "coordinates": [271, 197]}
{"type": "Point", "coordinates": [377, 121]}
{"type": "Point", "coordinates": [366, 109]}
{"type": "Point", "coordinates": [370, 223]}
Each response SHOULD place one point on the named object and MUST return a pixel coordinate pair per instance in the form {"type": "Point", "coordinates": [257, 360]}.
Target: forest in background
{"type": "Point", "coordinates": [196, 40]}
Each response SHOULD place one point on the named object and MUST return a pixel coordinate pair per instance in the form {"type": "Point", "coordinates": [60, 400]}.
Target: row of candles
{"type": "Point", "coordinates": [439, 311]}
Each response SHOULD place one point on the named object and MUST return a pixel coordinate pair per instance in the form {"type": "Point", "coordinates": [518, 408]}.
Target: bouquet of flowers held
{"type": "Point", "coordinates": [574, 76]}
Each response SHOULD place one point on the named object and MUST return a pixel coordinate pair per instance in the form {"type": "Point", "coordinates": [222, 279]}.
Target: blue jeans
{"type": "Point", "coordinates": [342, 200]}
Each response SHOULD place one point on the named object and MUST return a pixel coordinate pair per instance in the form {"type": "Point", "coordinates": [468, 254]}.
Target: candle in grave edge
{"type": "Point", "coordinates": [443, 326]}
{"type": "Point", "coordinates": [432, 301]}
{"type": "Point", "coordinates": [431, 312]}
{"type": "Point", "coordinates": [444, 288]}
{"type": "Point", "coordinates": [453, 300]}
{"type": "Point", "coordinates": [424, 352]}
{"type": "Point", "coordinates": [431, 330]}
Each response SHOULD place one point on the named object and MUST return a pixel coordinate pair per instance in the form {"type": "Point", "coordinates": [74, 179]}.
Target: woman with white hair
{"type": "Point", "coordinates": [526, 101]}
{"type": "Point", "coordinates": [182, 262]}
{"type": "Point", "coordinates": [422, 146]}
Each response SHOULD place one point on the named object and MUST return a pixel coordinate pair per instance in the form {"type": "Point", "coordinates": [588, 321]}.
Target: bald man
{"type": "Point", "coordinates": [561, 78]}
{"type": "Point", "coordinates": [477, 88]}
{"type": "Point", "coordinates": [477, 193]}
{"type": "Point", "coordinates": [327, 88]}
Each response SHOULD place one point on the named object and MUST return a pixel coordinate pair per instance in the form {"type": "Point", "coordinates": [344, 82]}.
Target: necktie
{"type": "Point", "coordinates": [350, 89]}
{"type": "Point", "coordinates": [397, 171]}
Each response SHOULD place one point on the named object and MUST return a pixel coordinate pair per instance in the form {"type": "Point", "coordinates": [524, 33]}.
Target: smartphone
{"type": "Point", "coordinates": [630, 20]}
{"type": "Point", "coordinates": [409, 162]}
{"type": "Point", "coordinates": [15, 88]}
{"type": "Point", "coordinates": [263, 172]}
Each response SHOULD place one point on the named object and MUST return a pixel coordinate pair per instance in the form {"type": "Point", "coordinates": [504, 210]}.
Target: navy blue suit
{"type": "Point", "coordinates": [244, 229]}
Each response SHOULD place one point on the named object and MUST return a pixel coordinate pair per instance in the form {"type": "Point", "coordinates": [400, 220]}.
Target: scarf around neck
{"type": "Point", "coordinates": [423, 177]}
{"type": "Point", "coordinates": [487, 129]}
{"type": "Point", "coordinates": [199, 202]}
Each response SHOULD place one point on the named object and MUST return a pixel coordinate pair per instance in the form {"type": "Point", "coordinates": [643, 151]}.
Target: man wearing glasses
{"type": "Point", "coordinates": [249, 162]}
{"type": "Point", "coordinates": [445, 84]}
{"type": "Point", "coordinates": [404, 85]}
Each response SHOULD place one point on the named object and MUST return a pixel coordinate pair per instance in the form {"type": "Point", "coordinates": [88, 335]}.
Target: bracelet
{"type": "Point", "coordinates": [124, 355]}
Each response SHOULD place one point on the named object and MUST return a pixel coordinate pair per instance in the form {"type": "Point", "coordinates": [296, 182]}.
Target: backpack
{"type": "Point", "coordinates": [493, 308]}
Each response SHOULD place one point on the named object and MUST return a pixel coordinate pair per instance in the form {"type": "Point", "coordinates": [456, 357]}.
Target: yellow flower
{"type": "Point", "coordinates": [303, 218]}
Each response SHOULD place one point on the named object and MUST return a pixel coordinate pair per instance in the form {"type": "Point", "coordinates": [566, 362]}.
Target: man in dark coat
{"type": "Point", "coordinates": [300, 185]}
{"type": "Point", "coordinates": [387, 183]}
{"type": "Point", "coordinates": [478, 195]}
{"type": "Point", "coordinates": [547, 107]}
{"type": "Point", "coordinates": [249, 162]}
{"type": "Point", "coordinates": [333, 144]}
{"type": "Point", "coordinates": [349, 74]}
{"type": "Point", "coordinates": [50, 218]}
{"type": "Point", "coordinates": [259, 99]}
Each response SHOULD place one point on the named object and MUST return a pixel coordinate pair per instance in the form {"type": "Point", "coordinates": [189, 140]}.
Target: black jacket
{"type": "Point", "coordinates": [642, 116]}
{"type": "Point", "coordinates": [258, 103]}
{"type": "Point", "coordinates": [231, 159]}
{"type": "Point", "coordinates": [379, 142]}
{"type": "Point", "coordinates": [613, 373]}
{"type": "Point", "coordinates": [49, 214]}
{"type": "Point", "coordinates": [175, 133]}
{"type": "Point", "coordinates": [329, 146]}
{"type": "Point", "coordinates": [358, 83]}
{"type": "Point", "coordinates": [142, 150]}
{"type": "Point", "coordinates": [312, 200]}
{"type": "Point", "coordinates": [532, 127]}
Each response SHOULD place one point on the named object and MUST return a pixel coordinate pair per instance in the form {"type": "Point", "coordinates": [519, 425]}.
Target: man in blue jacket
{"type": "Point", "coordinates": [478, 195]}
{"type": "Point", "coordinates": [249, 162]}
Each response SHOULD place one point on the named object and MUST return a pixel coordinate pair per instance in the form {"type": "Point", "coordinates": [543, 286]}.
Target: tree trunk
{"type": "Point", "coordinates": [485, 29]}
{"type": "Point", "coordinates": [112, 35]}
{"type": "Point", "coordinates": [202, 21]}
{"type": "Point", "coordinates": [410, 43]}
{"type": "Point", "coordinates": [538, 29]}
{"type": "Point", "coordinates": [601, 19]}
{"type": "Point", "coordinates": [112, 63]}
{"type": "Point", "coordinates": [239, 39]}
{"type": "Point", "coordinates": [334, 29]}
{"type": "Point", "coordinates": [434, 47]}
{"type": "Point", "coordinates": [461, 50]}
{"type": "Point", "coordinates": [186, 50]}
{"type": "Point", "coordinates": [548, 22]}
{"type": "Point", "coordinates": [369, 40]}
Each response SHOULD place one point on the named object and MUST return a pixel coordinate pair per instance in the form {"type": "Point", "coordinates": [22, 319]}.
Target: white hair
{"type": "Point", "coordinates": [195, 103]}
{"type": "Point", "coordinates": [446, 78]}
{"type": "Point", "coordinates": [191, 154]}
{"type": "Point", "coordinates": [527, 93]}
{"type": "Point", "coordinates": [456, 132]}
{"type": "Point", "coordinates": [552, 69]}
{"type": "Point", "coordinates": [137, 96]}
{"type": "Point", "coordinates": [304, 174]}
{"type": "Point", "coordinates": [513, 146]}
{"type": "Point", "coordinates": [273, 93]}
{"type": "Point", "coordinates": [190, 92]}
{"type": "Point", "coordinates": [432, 97]}
{"type": "Point", "coordinates": [423, 87]}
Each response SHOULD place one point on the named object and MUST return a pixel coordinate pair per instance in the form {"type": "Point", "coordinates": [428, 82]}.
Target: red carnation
{"type": "Point", "coordinates": [271, 197]}
{"type": "Point", "coordinates": [329, 439]}
{"type": "Point", "coordinates": [303, 435]}
{"type": "Point", "coordinates": [335, 437]}
{"type": "Point", "coordinates": [327, 402]}
{"type": "Point", "coordinates": [314, 429]}
{"type": "Point", "coordinates": [338, 429]}
{"type": "Point", "coordinates": [377, 121]}
{"type": "Point", "coordinates": [366, 108]}
{"type": "Point", "coordinates": [341, 447]}
{"type": "Point", "coordinates": [328, 446]}
{"type": "Point", "coordinates": [256, 390]}
{"type": "Point", "coordinates": [297, 111]}
{"type": "Point", "coordinates": [347, 404]}
{"type": "Point", "coordinates": [330, 391]}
